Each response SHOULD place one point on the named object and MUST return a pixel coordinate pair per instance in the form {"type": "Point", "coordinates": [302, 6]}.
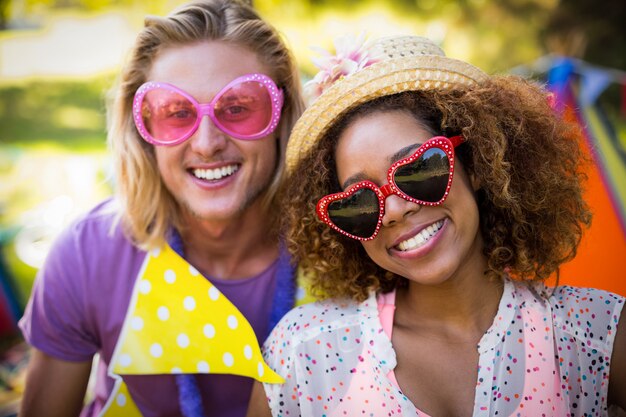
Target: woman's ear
{"type": "Point", "coordinates": [476, 185]}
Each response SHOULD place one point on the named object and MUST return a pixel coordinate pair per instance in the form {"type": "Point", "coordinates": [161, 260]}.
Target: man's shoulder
{"type": "Point", "coordinates": [105, 212]}
{"type": "Point", "coordinates": [99, 226]}
{"type": "Point", "coordinates": [93, 247]}
{"type": "Point", "coordinates": [101, 219]}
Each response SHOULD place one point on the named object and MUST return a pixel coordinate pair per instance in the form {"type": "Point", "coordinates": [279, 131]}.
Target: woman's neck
{"type": "Point", "coordinates": [462, 307]}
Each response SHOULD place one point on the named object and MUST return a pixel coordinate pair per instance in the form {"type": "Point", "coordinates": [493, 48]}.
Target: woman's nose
{"type": "Point", "coordinates": [396, 209]}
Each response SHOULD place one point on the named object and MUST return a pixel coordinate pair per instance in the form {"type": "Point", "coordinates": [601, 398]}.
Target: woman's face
{"type": "Point", "coordinates": [448, 234]}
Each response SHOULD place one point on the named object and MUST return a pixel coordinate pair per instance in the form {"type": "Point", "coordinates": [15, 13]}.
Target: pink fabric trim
{"type": "Point", "coordinates": [386, 310]}
{"type": "Point", "coordinates": [542, 383]}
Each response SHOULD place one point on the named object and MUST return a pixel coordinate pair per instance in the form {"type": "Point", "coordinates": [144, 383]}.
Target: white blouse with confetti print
{"type": "Point", "coordinates": [543, 355]}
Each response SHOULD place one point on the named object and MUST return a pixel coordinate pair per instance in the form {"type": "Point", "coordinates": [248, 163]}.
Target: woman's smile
{"type": "Point", "coordinates": [421, 238]}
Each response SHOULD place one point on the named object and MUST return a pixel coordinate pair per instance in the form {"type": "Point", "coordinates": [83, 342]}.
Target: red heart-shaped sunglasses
{"type": "Point", "coordinates": [424, 178]}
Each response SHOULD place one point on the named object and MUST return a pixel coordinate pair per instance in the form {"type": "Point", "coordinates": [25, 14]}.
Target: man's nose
{"type": "Point", "coordinates": [208, 139]}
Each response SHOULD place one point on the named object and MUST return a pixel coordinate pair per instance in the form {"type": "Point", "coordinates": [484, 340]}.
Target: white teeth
{"type": "Point", "coordinates": [217, 173]}
{"type": "Point", "coordinates": [421, 238]}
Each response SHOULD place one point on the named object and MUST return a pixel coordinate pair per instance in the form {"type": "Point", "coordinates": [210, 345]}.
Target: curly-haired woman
{"type": "Point", "coordinates": [429, 202]}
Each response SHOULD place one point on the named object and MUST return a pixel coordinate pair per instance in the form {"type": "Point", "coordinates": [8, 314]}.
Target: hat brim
{"type": "Point", "coordinates": [416, 73]}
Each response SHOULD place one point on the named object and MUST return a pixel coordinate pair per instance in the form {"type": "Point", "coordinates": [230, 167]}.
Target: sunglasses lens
{"type": "Point", "coordinates": [245, 109]}
{"type": "Point", "coordinates": [356, 214]}
{"type": "Point", "coordinates": [426, 178]}
{"type": "Point", "coordinates": [167, 115]}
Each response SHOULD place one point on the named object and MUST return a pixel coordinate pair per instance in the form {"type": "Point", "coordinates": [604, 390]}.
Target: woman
{"type": "Point", "coordinates": [429, 203]}
{"type": "Point", "coordinates": [173, 282]}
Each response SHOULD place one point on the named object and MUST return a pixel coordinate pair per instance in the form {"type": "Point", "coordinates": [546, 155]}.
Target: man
{"type": "Point", "coordinates": [175, 280]}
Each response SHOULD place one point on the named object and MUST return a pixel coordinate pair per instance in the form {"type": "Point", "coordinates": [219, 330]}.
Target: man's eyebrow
{"type": "Point", "coordinates": [402, 153]}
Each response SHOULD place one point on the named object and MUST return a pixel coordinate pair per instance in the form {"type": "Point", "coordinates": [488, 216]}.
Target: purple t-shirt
{"type": "Point", "coordinates": [80, 299]}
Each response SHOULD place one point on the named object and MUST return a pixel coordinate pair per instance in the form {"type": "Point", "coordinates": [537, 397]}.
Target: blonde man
{"type": "Point", "coordinates": [175, 280]}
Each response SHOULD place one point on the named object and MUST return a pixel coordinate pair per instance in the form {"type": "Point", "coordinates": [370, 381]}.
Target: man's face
{"type": "Point", "coordinates": [211, 175]}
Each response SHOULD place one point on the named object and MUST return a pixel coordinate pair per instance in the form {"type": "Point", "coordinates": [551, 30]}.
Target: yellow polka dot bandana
{"type": "Point", "coordinates": [120, 403]}
{"type": "Point", "coordinates": [178, 322]}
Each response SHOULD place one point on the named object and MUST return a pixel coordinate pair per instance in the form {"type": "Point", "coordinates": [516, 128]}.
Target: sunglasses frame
{"type": "Point", "coordinates": [208, 109]}
{"type": "Point", "coordinates": [447, 145]}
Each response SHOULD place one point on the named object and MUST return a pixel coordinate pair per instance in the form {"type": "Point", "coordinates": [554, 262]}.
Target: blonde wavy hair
{"type": "Point", "coordinates": [147, 207]}
{"type": "Point", "coordinates": [527, 159]}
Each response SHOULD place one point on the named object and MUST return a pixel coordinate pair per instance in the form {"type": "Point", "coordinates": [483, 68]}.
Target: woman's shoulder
{"type": "Point", "coordinates": [305, 322]}
{"type": "Point", "coordinates": [568, 298]}
{"type": "Point", "coordinates": [586, 313]}
{"type": "Point", "coordinates": [579, 312]}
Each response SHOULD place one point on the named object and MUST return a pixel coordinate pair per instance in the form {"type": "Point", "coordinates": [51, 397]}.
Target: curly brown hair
{"type": "Point", "coordinates": [527, 159]}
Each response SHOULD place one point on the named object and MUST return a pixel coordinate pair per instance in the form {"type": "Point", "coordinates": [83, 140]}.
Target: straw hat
{"type": "Point", "coordinates": [388, 66]}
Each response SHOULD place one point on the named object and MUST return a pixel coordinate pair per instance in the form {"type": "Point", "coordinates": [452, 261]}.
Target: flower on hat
{"type": "Point", "coordinates": [351, 55]}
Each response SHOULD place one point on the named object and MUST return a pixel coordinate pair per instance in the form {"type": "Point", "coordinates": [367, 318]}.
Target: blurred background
{"type": "Point", "coordinates": [59, 59]}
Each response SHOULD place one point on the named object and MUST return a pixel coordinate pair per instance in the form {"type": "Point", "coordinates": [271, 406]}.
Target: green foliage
{"type": "Point", "coordinates": [69, 113]}
{"type": "Point", "coordinates": [495, 35]}
{"type": "Point", "coordinates": [22, 274]}
{"type": "Point", "coordinates": [4, 12]}
{"type": "Point", "coordinates": [153, 6]}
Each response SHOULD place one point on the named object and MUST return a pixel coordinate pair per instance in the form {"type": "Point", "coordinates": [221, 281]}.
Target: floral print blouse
{"type": "Point", "coordinates": [546, 353]}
